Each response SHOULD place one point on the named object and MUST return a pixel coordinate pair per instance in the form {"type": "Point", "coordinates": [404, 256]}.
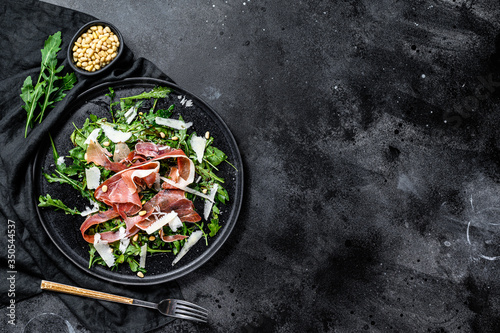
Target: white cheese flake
{"type": "Point", "coordinates": [210, 202]}
{"type": "Point", "coordinates": [60, 160]}
{"type": "Point", "coordinates": [124, 241]}
{"type": "Point", "coordinates": [93, 176]}
{"type": "Point", "coordinates": [164, 220]}
{"type": "Point", "coordinates": [198, 144]}
{"type": "Point", "coordinates": [115, 135]}
{"type": "Point", "coordinates": [93, 136]}
{"type": "Point", "coordinates": [184, 101]}
{"type": "Point", "coordinates": [183, 186]}
{"type": "Point", "coordinates": [104, 250]}
{"type": "Point", "coordinates": [89, 210]}
{"type": "Point", "coordinates": [173, 123]}
{"type": "Point", "coordinates": [130, 114]}
{"type": "Point", "coordinates": [191, 241]}
{"type": "Point", "coordinates": [175, 224]}
{"type": "Point", "coordinates": [142, 258]}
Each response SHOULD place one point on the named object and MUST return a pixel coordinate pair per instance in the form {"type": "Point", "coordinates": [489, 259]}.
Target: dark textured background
{"type": "Point", "coordinates": [369, 134]}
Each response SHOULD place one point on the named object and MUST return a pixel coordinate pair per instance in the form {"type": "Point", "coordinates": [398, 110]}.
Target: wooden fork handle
{"type": "Point", "coordinates": [62, 288]}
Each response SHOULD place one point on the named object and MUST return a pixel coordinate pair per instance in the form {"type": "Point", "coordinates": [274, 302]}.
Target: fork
{"type": "Point", "coordinates": [169, 307]}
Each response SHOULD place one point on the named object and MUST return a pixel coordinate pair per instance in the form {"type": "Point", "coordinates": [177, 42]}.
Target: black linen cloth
{"type": "Point", "coordinates": [24, 27]}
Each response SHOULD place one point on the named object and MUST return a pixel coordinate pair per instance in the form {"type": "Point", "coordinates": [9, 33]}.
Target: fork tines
{"type": "Point", "coordinates": [191, 311]}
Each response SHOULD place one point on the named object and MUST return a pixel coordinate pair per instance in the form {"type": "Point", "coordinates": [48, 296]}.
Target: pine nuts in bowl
{"type": "Point", "coordinates": [95, 48]}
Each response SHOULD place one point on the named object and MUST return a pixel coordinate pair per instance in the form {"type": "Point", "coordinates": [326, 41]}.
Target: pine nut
{"type": "Point", "coordinates": [104, 188]}
{"type": "Point", "coordinates": [152, 238]}
{"type": "Point", "coordinates": [140, 274]}
{"type": "Point", "coordinates": [142, 213]}
{"type": "Point", "coordinates": [98, 43]}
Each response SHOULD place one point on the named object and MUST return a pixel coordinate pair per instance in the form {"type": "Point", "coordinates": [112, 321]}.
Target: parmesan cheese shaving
{"type": "Point", "coordinates": [209, 203]}
{"type": "Point", "coordinates": [142, 258]}
{"type": "Point", "coordinates": [191, 241]}
{"type": "Point", "coordinates": [184, 187]}
{"type": "Point", "coordinates": [93, 176]}
{"type": "Point", "coordinates": [88, 210]}
{"type": "Point", "coordinates": [173, 123]}
{"type": "Point", "coordinates": [198, 144]}
{"type": "Point", "coordinates": [104, 250]}
{"type": "Point", "coordinates": [175, 224]}
{"type": "Point", "coordinates": [184, 101]}
{"type": "Point", "coordinates": [130, 114]}
{"type": "Point", "coordinates": [115, 135]}
{"type": "Point", "coordinates": [124, 241]}
{"type": "Point", "coordinates": [93, 136]}
{"type": "Point", "coordinates": [164, 220]}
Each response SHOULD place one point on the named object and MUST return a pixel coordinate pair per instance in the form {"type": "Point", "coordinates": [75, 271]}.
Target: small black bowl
{"type": "Point", "coordinates": [82, 31]}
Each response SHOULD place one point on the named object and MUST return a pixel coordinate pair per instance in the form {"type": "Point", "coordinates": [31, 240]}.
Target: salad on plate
{"type": "Point", "coordinates": [141, 170]}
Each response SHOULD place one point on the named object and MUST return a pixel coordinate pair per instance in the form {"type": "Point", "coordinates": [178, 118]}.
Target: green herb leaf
{"type": "Point", "coordinates": [214, 155]}
{"type": "Point", "coordinates": [47, 201]}
{"type": "Point", "coordinates": [157, 92]}
{"type": "Point", "coordinates": [50, 88]}
{"type": "Point", "coordinates": [214, 227]}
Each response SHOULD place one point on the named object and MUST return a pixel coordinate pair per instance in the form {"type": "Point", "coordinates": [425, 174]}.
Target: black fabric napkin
{"type": "Point", "coordinates": [24, 27]}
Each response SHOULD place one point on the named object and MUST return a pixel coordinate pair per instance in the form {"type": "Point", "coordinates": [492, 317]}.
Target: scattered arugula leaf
{"type": "Point", "coordinates": [49, 88]}
{"type": "Point", "coordinates": [213, 226]}
{"type": "Point", "coordinates": [47, 201]}
{"type": "Point", "coordinates": [157, 92]}
{"type": "Point", "coordinates": [214, 155]}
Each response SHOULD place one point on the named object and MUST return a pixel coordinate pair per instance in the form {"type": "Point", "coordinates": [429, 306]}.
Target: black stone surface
{"type": "Point", "coordinates": [369, 132]}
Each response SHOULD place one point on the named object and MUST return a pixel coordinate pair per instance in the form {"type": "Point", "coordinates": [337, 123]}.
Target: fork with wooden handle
{"type": "Point", "coordinates": [169, 307]}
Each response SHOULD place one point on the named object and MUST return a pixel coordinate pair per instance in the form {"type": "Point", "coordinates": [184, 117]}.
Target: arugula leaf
{"type": "Point", "coordinates": [30, 96]}
{"type": "Point", "coordinates": [165, 113]}
{"type": "Point", "coordinates": [208, 174]}
{"type": "Point", "coordinates": [213, 226]}
{"type": "Point", "coordinates": [157, 92]}
{"type": "Point", "coordinates": [68, 82]}
{"type": "Point", "coordinates": [214, 155]}
{"type": "Point", "coordinates": [49, 88]}
{"type": "Point", "coordinates": [47, 201]}
{"type": "Point", "coordinates": [63, 179]}
{"type": "Point", "coordinates": [222, 194]}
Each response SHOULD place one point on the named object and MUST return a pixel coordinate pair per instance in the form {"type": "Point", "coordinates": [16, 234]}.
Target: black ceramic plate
{"type": "Point", "coordinates": [64, 230]}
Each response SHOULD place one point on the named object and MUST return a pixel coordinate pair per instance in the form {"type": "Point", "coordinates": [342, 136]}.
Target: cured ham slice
{"type": "Point", "coordinates": [174, 200]}
{"type": "Point", "coordinates": [121, 191]}
{"type": "Point", "coordinates": [165, 202]}
{"type": "Point", "coordinates": [171, 238]}
{"type": "Point", "coordinates": [137, 172]}
{"type": "Point", "coordinates": [100, 156]}
{"type": "Point", "coordinates": [96, 219]}
{"type": "Point", "coordinates": [108, 236]}
{"type": "Point", "coordinates": [144, 150]}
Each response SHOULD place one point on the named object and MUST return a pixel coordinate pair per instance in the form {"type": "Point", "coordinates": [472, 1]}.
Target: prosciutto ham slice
{"type": "Point", "coordinates": [100, 156]}
{"type": "Point", "coordinates": [164, 202]}
{"type": "Point", "coordinates": [140, 170]}
{"type": "Point", "coordinates": [108, 236]}
{"type": "Point", "coordinates": [171, 238]}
